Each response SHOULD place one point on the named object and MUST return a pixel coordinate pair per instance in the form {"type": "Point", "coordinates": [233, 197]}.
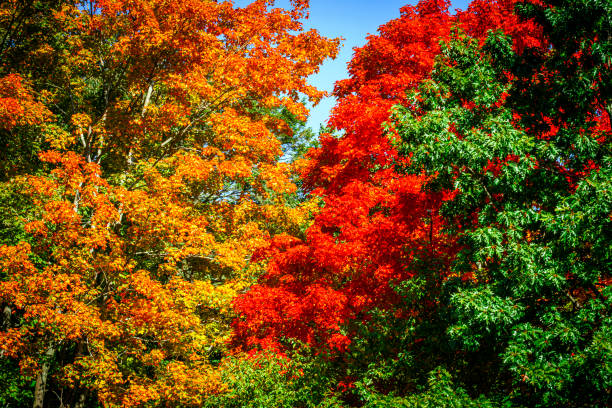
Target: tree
{"type": "Point", "coordinates": [364, 285]}
{"type": "Point", "coordinates": [158, 174]}
{"type": "Point", "coordinates": [357, 243]}
{"type": "Point", "coordinates": [530, 207]}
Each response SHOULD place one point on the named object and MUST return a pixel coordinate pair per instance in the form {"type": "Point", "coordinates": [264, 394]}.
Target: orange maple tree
{"type": "Point", "coordinates": [156, 125]}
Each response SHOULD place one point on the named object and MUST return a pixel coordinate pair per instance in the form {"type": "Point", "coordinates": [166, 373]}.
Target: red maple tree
{"type": "Point", "coordinates": [374, 222]}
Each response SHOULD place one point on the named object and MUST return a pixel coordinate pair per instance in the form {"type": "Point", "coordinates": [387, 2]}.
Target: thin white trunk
{"type": "Point", "coordinates": [41, 379]}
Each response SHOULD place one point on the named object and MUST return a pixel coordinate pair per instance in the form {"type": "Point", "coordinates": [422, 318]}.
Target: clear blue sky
{"type": "Point", "coordinates": [353, 20]}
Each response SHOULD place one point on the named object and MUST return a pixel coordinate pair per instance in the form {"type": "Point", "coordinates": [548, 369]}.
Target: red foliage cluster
{"type": "Point", "coordinates": [374, 221]}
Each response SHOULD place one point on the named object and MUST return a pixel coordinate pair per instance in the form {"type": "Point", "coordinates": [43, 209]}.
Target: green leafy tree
{"type": "Point", "coordinates": [529, 312]}
{"type": "Point", "coordinates": [268, 379]}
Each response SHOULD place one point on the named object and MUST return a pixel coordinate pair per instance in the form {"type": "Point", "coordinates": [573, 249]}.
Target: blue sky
{"type": "Point", "coordinates": [353, 20]}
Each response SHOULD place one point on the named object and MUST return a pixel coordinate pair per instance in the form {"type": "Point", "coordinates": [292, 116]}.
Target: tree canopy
{"type": "Point", "coordinates": [173, 236]}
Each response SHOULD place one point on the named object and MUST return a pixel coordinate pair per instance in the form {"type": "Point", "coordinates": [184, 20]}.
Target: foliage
{"type": "Point", "coordinates": [463, 253]}
{"type": "Point", "coordinates": [173, 235]}
{"type": "Point", "coordinates": [143, 168]}
{"type": "Point", "coordinates": [376, 230]}
{"type": "Point", "coordinates": [358, 242]}
{"type": "Point", "coordinates": [267, 379]}
{"type": "Point", "coordinates": [440, 392]}
{"type": "Point", "coordinates": [17, 390]}
{"type": "Point", "coordinates": [535, 251]}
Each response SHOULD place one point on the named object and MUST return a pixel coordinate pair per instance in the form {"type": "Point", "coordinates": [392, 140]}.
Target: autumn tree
{"type": "Point", "coordinates": [364, 285]}
{"type": "Point", "coordinates": [357, 243]}
{"type": "Point", "coordinates": [156, 129]}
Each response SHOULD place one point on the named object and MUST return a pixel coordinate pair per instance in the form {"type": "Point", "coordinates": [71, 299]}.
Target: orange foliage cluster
{"type": "Point", "coordinates": [17, 105]}
{"type": "Point", "coordinates": [159, 177]}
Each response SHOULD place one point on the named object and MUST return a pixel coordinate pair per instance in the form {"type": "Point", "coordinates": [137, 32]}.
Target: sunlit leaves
{"type": "Point", "coordinates": [157, 143]}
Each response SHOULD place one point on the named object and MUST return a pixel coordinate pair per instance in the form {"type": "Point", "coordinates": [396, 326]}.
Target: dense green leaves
{"type": "Point", "coordinates": [270, 380]}
{"type": "Point", "coordinates": [532, 219]}
{"type": "Point", "coordinates": [578, 64]}
{"type": "Point", "coordinates": [16, 390]}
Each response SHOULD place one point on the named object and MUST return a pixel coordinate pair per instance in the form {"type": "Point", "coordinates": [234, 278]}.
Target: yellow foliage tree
{"type": "Point", "coordinates": [157, 135]}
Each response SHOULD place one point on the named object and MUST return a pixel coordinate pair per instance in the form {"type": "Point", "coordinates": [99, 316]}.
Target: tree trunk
{"type": "Point", "coordinates": [41, 379]}
{"type": "Point", "coordinates": [81, 401]}
{"type": "Point", "coordinates": [6, 317]}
